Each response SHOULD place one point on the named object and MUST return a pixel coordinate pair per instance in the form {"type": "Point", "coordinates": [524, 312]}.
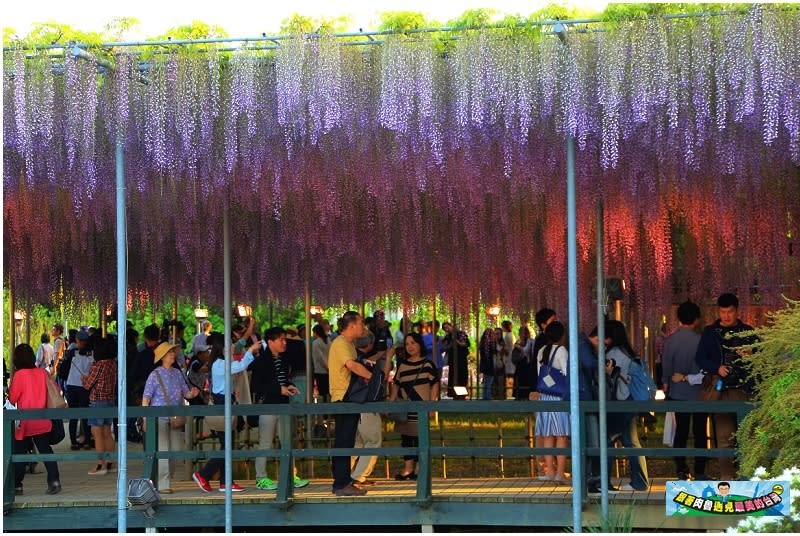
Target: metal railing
{"type": "Point", "coordinates": [426, 451]}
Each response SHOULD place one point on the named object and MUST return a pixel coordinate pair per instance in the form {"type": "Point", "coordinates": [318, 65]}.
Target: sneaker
{"type": "Point", "coordinates": [563, 480]}
{"type": "Point", "coordinates": [300, 482]}
{"type": "Point", "coordinates": [201, 482]}
{"type": "Point", "coordinates": [99, 470]}
{"type": "Point", "coordinates": [349, 491]}
{"type": "Point", "coordinates": [546, 478]}
{"type": "Point", "coordinates": [266, 484]}
{"type": "Point", "coordinates": [234, 487]}
{"type": "Point", "coordinates": [110, 467]}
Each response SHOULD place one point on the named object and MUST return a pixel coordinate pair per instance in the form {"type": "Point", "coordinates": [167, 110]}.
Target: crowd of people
{"type": "Point", "coordinates": [269, 368]}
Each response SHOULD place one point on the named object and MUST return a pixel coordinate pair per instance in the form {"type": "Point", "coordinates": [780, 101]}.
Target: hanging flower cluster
{"type": "Point", "coordinates": [369, 170]}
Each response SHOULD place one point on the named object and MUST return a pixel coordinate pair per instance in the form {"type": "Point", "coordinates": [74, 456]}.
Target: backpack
{"type": "Point", "coordinates": [641, 384]}
{"type": "Point", "coordinates": [64, 366]}
{"type": "Point", "coordinates": [362, 390]}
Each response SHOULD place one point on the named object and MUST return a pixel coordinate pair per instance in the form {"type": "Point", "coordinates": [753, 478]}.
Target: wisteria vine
{"type": "Point", "coordinates": [408, 168]}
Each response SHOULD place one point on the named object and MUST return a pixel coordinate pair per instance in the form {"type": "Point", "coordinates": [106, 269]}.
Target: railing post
{"type": "Point", "coordinates": [286, 463]}
{"type": "Point", "coordinates": [500, 444]}
{"type": "Point", "coordinates": [531, 443]}
{"type": "Point", "coordinates": [8, 465]}
{"type": "Point", "coordinates": [585, 461]}
{"type": "Point", "coordinates": [424, 452]}
{"type": "Point", "coordinates": [440, 422]}
{"type": "Point", "coordinates": [150, 467]}
{"type": "Point", "coordinates": [473, 459]}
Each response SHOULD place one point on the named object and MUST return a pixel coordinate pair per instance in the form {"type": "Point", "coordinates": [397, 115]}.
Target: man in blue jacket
{"type": "Point", "coordinates": [719, 353]}
{"type": "Point", "coordinates": [587, 390]}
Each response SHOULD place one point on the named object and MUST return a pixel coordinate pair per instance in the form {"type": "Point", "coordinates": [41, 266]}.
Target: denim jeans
{"type": "Point", "coordinates": [624, 426]}
{"type": "Point", "coordinates": [487, 386]}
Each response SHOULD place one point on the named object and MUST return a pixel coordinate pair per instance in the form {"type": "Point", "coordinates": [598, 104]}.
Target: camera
{"type": "Point", "coordinates": [615, 370]}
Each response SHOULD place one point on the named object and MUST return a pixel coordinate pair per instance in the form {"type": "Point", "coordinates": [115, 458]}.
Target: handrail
{"type": "Point", "coordinates": [425, 451]}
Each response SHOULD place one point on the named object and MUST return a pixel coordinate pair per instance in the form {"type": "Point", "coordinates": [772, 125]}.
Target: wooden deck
{"type": "Point", "coordinates": [89, 502]}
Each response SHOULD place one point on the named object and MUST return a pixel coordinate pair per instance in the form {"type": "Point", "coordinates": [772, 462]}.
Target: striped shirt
{"type": "Point", "coordinates": [280, 372]}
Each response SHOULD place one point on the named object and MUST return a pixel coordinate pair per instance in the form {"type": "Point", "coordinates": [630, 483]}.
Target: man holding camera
{"type": "Point", "coordinates": [719, 353]}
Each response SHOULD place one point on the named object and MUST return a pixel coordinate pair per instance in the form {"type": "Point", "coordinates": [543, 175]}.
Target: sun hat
{"type": "Point", "coordinates": [161, 350]}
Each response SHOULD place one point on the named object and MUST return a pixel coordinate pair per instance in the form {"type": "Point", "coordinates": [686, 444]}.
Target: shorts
{"type": "Point", "coordinates": [102, 421]}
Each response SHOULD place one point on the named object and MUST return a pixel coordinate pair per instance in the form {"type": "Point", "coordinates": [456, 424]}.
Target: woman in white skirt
{"type": "Point", "coordinates": [553, 426]}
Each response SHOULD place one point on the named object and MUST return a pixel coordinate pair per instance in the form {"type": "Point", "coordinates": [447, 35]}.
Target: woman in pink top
{"type": "Point", "coordinates": [28, 390]}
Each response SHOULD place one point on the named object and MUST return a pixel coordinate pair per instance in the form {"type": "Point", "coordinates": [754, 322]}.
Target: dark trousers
{"type": "Point", "coordinates": [411, 442]}
{"type": "Point", "coordinates": [43, 446]}
{"type": "Point", "coordinates": [593, 440]}
{"type": "Point", "coordinates": [698, 422]}
{"type": "Point", "coordinates": [323, 386]}
{"type": "Point", "coordinates": [78, 397]}
{"type": "Point", "coordinates": [346, 427]}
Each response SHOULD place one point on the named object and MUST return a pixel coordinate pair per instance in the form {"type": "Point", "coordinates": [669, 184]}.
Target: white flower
{"type": "Point", "coordinates": [760, 472]}
{"type": "Point", "coordinates": [759, 524]}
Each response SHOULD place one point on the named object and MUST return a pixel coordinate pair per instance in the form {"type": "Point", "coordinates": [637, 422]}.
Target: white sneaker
{"type": "Point", "coordinates": [628, 487]}
{"type": "Point", "coordinates": [546, 478]}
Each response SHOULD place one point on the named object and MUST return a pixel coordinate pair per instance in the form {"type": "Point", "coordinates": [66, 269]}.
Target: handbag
{"type": "Point", "coordinates": [177, 421]}
{"type": "Point", "coordinates": [708, 389]}
{"type": "Point", "coordinates": [552, 381]}
{"type": "Point", "coordinates": [57, 433]}
{"type": "Point", "coordinates": [54, 398]}
{"type": "Point", "coordinates": [401, 417]}
{"type": "Point", "coordinates": [217, 422]}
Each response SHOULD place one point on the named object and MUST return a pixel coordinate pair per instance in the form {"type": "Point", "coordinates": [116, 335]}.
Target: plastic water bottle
{"type": "Point", "coordinates": [719, 385]}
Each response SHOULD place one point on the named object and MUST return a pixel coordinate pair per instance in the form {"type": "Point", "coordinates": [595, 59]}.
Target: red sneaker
{"type": "Point", "coordinates": [201, 482]}
{"type": "Point", "coordinates": [234, 487]}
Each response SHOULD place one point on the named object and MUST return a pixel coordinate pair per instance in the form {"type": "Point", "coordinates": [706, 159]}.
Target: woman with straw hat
{"type": "Point", "coordinates": [166, 386]}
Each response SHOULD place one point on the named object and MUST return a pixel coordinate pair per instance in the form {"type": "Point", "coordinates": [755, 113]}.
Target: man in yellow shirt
{"type": "Point", "coordinates": [342, 365]}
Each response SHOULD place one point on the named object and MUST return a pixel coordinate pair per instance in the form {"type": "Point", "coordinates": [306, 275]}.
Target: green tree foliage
{"type": "Point", "coordinates": [554, 12]}
{"type": "Point", "coordinates": [775, 424]}
{"type": "Point", "coordinates": [52, 33]}
{"type": "Point", "coordinates": [301, 24]}
{"type": "Point", "coordinates": [473, 18]}
{"type": "Point", "coordinates": [626, 11]}
{"type": "Point", "coordinates": [402, 21]}
{"type": "Point", "coordinates": [195, 30]}
{"type": "Point", "coordinates": [119, 26]}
